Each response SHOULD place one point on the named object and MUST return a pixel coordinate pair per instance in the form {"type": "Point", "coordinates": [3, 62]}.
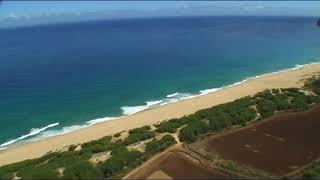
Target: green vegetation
{"type": "Point", "coordinates": [121, 158]}
{"type": "Point", "coordinates": [106, 144]}
{"type": "Point", "coordinates": [117, 134]}
{"type": "Point", "coordinates": [191, 132]}
{"type": "Point", "coordinates": [312, 172]}
{"type": "Point", "coordinates": [138, 134]}
{"type": "Point", "coordinates": [313, 84]}
{"type": "Point", "coordinates": [217, 118]}
{"type": "Point", "coordinates": [100, 145]}
{"type": "Point", "coordinates": [72, 147]}
{"type": "Point", "coordinates": [266, 107]}
{"type": "Point", "coordinates": [241, 111]}
{"type": "Point", "coordinates": [75, 164]}
{"type": "Point", "coordinates": [172, 125]}
{"type": "Point", "coordinates": [82, 170]}
{"type": "Point", "coordinates": [38, 172]}
{"type": "Point", "coordinates": [8, 170]}
{"type": "Point", "coordinates": [243, 171]}
{"type": "Point", "coordinates": [156, 146]}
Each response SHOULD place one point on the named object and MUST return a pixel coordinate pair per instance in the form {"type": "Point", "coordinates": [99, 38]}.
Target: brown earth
{"type": "Point", "coordinates": [283, 79]}
{"type": "Point", "coordinates": [159, 175]}
{"type": "Point", "coordinates": [176, 166]}
{"type": "Point", "coordinates": [277, 145]}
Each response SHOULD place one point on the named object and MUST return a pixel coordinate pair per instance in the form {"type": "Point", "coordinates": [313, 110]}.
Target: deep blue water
{"type": "Point", "coordinates": [73, 73]}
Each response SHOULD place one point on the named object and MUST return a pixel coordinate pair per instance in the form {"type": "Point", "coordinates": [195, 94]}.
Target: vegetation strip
{"type": "Point", "coordinates": [75, 164]}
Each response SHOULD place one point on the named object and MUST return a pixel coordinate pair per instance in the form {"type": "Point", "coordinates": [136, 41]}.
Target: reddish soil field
{"type": "Point", "coordinates": [277, 145]}
{"type": "Point", "coordinates": [178, 167]}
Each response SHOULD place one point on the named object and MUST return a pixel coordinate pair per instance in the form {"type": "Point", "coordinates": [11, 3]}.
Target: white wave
{"type": "Point", "coordinates": [207, 91]}
{"type": "Point", "coordinates": [172, 95]}
{"type": "Point", "coordinates": [41, 133]}
{"type": "Point", "coordinates": [179, 96]}
{"type": "Point", "coordinates": [153, 103]}
{"type": "Point", "coordinates": [33, 132]}
{"type": "Point", "coordinates": [129, 110]}
{"type": "Point", "coordinates": [68, 129]}
{"type": "Point", "coordinates": [51, 133]}
{"type": "Point", "coordinates": [298, 66]}
{"type": "Point", "coordinates": [99, 120]}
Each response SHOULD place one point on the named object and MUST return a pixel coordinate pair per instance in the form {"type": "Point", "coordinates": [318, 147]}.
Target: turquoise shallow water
{"type": "Point", "coordinates": [56, 78]}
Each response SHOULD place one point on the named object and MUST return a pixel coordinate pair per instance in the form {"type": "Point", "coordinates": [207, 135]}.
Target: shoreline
{"type": "Point", "coordinates": [279, 79]}
{"type": "Point", "coordinates": [41, 133]}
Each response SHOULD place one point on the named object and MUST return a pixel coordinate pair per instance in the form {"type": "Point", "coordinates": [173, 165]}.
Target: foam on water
{"type": "Point", "coordinates": [207, 91]}
{"type": "Point", "coordinates": [33, 132]}
{"type": "Point", "coordinates": [129, 110]}
{"type": "Point", "coordinates": [41, 133]}
{"type": "Point", "coordinates": [172, 95]}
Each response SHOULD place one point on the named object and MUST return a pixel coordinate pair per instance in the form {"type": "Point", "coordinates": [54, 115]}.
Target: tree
{"type": "Point", "coordinates": [192, 131]}
{"type": "Point", "coordinates": [120, 158]}
{"type": "Point", "coordinates": [156, 146]}
{"type": "Point", "coordinates": [266, 108]}
{"type": "Point", "coordinates": [38, 172]}
{"type": "Point", "coordinates": [82, 170]}
{"type": "Point", "coordinates": [111, 166]}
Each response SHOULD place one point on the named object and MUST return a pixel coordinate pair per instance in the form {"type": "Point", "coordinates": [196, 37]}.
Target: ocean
{"type": "Point", "coordinates": [58, 78]}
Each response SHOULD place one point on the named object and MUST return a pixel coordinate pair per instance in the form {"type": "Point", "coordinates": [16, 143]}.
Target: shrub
{"type": "Point", "coordinates": [72, 147]}
{"type": "Point", "coordinates": [313, 84]}
{"type": "Point", "coordinates": [312, 173]}
{"type": "Point", "coordinates": [111, 167]}
{"type": "Point", "coordinates": [192, 131]}
{"type": "Point", "coordinates": [281, 102]}
{"type": "Point", "coordinates": [64, 159]}
{"type": "Point", "coordinates": [292, 92]}
{"type": "Point", "coordinates": [85, 155]}
{"type": "Point", "coordinates": [6, 175]}
{"type": "Point", "coordinates": [117, 134]}
{"type": "Point", "coordinates": [299, 103]}
{"type": "Point", "coordinates": [38, 172]}
{"type": "Point", "coordinates": [266, 108]}
{"type": "Point", "coordinates": [142, 129]}
{"type": "Point", "coordinates": [220, 121]}
{"type": "Point", "coordinates": [120, 158]}
{"type": "Point", "coordinates": [138, 134]}
{"type": "Point", "coordinates": [275, 91]}
{"type": "Point", "coordinates": [172, 125]}
{"type": "Point", "coordinates": [264, 95]}
{"type": "Point", "coordinates": [82, 170]}
{"type": "Point", "coordinates": [313, 99]}
{"type": "Point", "coordinates": [7, 170]}
{"type": "Point", "coordinates": [156, 146]}
{"type": "Point", "coordinates": [100, 145]}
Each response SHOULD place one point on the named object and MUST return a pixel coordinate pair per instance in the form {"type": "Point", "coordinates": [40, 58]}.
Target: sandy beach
{"type": "Point", "coordinates": [283, 79]}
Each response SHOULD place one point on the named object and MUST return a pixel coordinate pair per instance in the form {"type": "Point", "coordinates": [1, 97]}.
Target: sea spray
{"type": "Point", "coordinates": [41, 133]}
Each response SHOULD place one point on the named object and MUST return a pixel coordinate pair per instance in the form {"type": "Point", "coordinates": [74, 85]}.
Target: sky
{"type": "Point", "coordinates": [22, 13]}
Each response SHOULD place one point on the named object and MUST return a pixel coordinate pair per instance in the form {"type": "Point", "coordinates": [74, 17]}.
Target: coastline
{"type": "Point", "coordinates": [280, 79]}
